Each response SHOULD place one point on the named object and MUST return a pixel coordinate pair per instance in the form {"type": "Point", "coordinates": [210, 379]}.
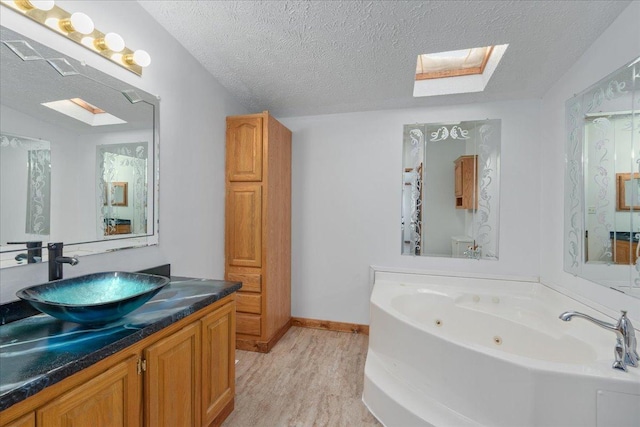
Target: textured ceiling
{"type": "Point", "coordinates": [316, 57]}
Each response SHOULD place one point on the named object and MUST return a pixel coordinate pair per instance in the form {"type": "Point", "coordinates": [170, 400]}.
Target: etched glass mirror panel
{"type": "Point", "coordinates": [602, 181]}
{"type": "Point", "coordinates": [450, 189]}
{"type": "Point", "coordinates": [79, 156]}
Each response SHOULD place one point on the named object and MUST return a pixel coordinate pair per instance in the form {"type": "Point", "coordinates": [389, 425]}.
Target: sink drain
{"type": "Point", "coordinates": [438, 322]}
{"type": "Point", "coordinates": [497, 340]}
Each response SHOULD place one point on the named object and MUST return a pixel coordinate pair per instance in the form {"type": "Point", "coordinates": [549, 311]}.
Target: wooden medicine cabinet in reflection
{"type": "Point", "coordinates": [117, 193]}
{"type": "Point", "coordinates": [627, 191]}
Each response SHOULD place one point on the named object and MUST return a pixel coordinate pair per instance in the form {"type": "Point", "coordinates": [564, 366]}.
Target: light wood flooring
{"type": "Point", "coordinates": [310, 378]}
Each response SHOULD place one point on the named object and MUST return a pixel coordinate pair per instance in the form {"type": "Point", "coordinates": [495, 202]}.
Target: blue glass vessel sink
{"type": "Point", "coordinates": [94, 299]}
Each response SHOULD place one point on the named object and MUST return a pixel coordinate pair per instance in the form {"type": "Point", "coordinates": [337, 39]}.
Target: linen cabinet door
{"type": "Point", "coordinates": [172, 379]}
{"type": "Point", "coordinates": [218, 361]}
{"type": "Point", "coordinates": [244, 149]}
{"type": "Point", "coordinates": [111, 399]}
{"type": "Point", "coordinates": [244, 225]}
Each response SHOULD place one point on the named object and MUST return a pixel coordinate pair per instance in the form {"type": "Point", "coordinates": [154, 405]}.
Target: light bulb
{"type": "Point", "coordinates": [142, 58]}
{"type": "Point", "coordinates": [139, 57]}
{"type": "Point", "coordinates": [42, 5]}
{"type": "Point", "coordinates": [111, 41]}
{"type": "Point", "coordinates": [78, 22]}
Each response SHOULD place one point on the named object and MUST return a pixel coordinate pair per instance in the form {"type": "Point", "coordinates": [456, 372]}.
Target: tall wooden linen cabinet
{"type": "Point", "coordinates": [258, 227]}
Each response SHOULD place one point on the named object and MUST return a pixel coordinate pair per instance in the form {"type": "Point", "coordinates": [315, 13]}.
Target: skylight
{"type": "Point", "coordinates": [453, 63]}
{"type": "Point", "coordinates": [81, 110]}
{"type": "Point", "coordinates": [457, 71]}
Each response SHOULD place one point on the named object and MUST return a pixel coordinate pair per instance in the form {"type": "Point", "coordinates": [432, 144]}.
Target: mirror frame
{"type": "Point", "coordinates": [134, 95]}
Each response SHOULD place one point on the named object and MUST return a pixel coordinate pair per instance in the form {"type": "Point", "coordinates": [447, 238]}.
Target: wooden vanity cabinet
{"type": "Point", "coordinates": [118, 229]}
{"type": "Point", "coordinates": [110, 399]}
{"type": "Point", "coordinates": [258, 227]}
{"type": "Point", "coordinates": [183, 375]}
{"type": "Point", "coordinates": [28, 420]}
{"type": "Point", "coordinates": [624, 252]}
{"type": "Point", "coordinates": [465, 183]}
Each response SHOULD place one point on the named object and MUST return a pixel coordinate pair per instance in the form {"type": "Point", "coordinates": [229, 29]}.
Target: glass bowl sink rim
{"type": "Point", "coordinates": [26, 293]}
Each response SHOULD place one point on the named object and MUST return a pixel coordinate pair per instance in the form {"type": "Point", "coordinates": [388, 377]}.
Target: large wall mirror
{"type": "Point", "coordinates": [78, 156]}
{"type": "Point", "coordinates": [602, 181]}
{"type": "Point", "coordinates": [450, 189]}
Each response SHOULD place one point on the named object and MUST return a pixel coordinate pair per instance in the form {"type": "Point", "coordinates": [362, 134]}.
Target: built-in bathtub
{"type": "Point", "coordinates": [455, 351]}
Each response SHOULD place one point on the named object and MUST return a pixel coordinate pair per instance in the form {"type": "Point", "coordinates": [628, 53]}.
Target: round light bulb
{"type": "Point", "coordinates": [81, 23]}
{"type": "Point", "coordinates": [43, 5]}
{"type": "Point", "coordinates": [114, 42]}
{"type": "Point", "coordinates": [142, 58]}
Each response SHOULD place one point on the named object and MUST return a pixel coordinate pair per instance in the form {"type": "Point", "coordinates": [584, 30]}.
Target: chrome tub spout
{"type": "Point", "coordinates": [625, 351]}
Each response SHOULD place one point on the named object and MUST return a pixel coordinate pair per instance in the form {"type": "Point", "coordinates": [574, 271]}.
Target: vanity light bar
{"type": "Point", "coordinates": [79, 28]}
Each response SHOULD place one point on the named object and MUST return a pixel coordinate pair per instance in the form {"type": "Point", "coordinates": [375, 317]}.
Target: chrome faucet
{"type": "Point", "coordinates": [56, 260]}
{"type": "Point", "coordinates": [473, 252]}
{"type": "Point", "coordinates": [625, 352]}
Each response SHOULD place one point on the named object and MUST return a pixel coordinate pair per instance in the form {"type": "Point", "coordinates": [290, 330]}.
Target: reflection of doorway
{"type": "Point", "coordinates": [412, 211]}
{"type": "Point", "coordinates": [611, 205]}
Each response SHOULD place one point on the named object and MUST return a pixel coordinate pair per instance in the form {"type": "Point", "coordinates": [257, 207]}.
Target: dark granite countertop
{"type": "Point", "coordinates": [624, 235]}
{"type": "Point", "coordinates": [38, 351]}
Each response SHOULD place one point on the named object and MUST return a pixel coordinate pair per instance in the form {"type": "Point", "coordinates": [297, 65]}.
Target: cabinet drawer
{"type": "Point", "coordinates": [249, 303]}
{"type": "Point", "coordinates": [250, 282]}
{"type": "Point", "coordinates": [248, 324]}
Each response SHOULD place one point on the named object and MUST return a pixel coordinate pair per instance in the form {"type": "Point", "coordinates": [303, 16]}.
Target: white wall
{"type": "Point", "coordinates": [347, 185]}
{"type": "Point", "coordinates": [193, 108]}
{"type": "Point", "coordinates": [615, 47]}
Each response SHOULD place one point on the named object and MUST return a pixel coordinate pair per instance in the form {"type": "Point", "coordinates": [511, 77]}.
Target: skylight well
{"type": "Point", "coordinates": [80, 109]}
{"type": "Point", "coordinates": [457, 71]}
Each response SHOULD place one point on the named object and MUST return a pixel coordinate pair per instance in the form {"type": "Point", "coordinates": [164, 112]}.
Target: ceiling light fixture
{"type": "Point", "coordinates": [80, 28]}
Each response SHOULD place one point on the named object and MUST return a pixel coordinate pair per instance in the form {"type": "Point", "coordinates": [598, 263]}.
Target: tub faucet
{"type": "Point", "coordinates": [625, 352]}
{"type": "Point", "coordinates": [56, 260]}
{"type": "Point", "coordinates": [473, 252]}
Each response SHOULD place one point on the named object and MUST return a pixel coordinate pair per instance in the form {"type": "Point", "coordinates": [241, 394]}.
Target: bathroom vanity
{"type": "Point", "coordinates": [169, 363]}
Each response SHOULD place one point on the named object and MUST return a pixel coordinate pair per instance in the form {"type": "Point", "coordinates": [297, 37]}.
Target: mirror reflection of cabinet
{"type": "Point", "coordinates": [601, 144]}
{"type": "Point", "coordinates": [628, 191]}
{"type": "Point", "coordinates": [624, 251]}
{"type": "Point", "coordinates": [465, 184]}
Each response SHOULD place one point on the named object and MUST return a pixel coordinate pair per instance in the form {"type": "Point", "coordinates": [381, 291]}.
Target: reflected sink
{"type": "Point", "coordinates": [94, 299]}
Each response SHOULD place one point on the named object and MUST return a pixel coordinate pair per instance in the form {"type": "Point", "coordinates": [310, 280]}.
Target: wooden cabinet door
{"type": "Point", "coordinates": [244, 225]}
{"type": "Point", "coordinates": [111, 399]}
{"type": "Point", "coordinates": [244, 149]}
{"type": "Point", "coordinates": [458, 178]}
{"type": "Point", "coordinates": [218, 361]}
{"type": "Point", "coordinates": [172, 379]}
{"type": "Point", "coordinates": [28, 420]}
